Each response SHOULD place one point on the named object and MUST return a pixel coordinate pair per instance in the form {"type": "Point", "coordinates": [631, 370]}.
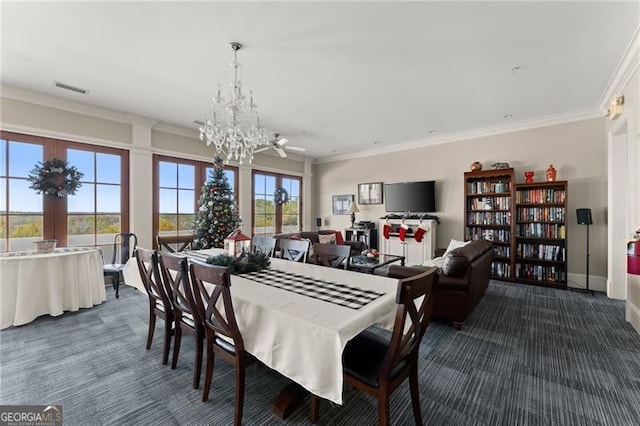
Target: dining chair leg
{"type": "Point", "coordinates": [237, 419]}
{"type": "Point", "coordinates": [315, 408]}
{"type": "Point", "coordinates": [208, 373]}
{"type": "Point", "coordinates": [167, 341]}
{"type": "Point", "coordinates": [415, 395]}
{"type": "Point", "coordinates": [383, 408]}
{"type": "Point", "coordinates": [116, 284]}
{"type": "Point", "coordinates": [176, 345]}
{"type": "Point", "coordinates": [197, 365]}
{"type": "Point", "coordinates": [152, 327]}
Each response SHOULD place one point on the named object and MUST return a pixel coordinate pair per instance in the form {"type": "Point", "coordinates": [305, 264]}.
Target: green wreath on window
{"type": "Point", "coordinates": [55, 178]}
{"type": "Point", "coordinates": [280, 196]}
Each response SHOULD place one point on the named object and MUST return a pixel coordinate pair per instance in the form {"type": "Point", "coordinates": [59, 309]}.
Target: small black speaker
{"type": "Point", "coordinates": [584, 216]}
{"type": "Point", "coordinates": [318, 222]}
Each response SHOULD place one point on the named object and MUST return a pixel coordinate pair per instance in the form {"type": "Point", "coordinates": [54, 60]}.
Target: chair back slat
{"type": "Point", "coordinates": [414, 298]}
{"type": "Point", "coordinates": [174, 243]}
{"type": "Point", "coordinates": [266, 245]}
{"type": "Point", "coordinates": [332, 255]}
{"type": "Point", "coordinates": [148, 266]}
{"type": "Point", "coordinates": [124, 245]}
{"type": "Point", "coordinates": [175, 274]}
{"type": "Point", "coordinates": [295, 250]}
{"type": "Point", "coordinates": [219, 315]}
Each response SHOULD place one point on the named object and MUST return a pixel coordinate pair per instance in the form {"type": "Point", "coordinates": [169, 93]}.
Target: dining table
{"type": "Point", "coordinates": [34, 284]}
{"type": "Point", "coordinates": [297, 318]}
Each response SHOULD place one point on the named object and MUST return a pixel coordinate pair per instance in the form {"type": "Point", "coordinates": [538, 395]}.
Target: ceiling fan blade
{"type": "Point", "coordinates": [295, 148]}
{"type": "Point", "coordinates": [261, 149]}
{"type": "Point", "coordinates": [281, 152]}
{"type": "Point", "coordinates": [282, 141]}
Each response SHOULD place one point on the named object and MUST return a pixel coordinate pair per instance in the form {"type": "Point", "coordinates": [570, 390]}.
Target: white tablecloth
{"type": "Point", "coordinates": [34, 284]}
{"type": "Point", "coordinates": [301, 337]}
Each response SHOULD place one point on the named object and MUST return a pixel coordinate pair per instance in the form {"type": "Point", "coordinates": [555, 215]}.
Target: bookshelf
{"type": "Point", "coordinates": [541, 234]}
{"type": "Point", "coordinates": [489, 207]}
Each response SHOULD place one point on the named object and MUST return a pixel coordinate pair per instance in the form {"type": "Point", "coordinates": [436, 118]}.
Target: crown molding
{"type": "Point", "coordinates": [625, 69]}
{"type": "Point", "coordinates": [536, 123]}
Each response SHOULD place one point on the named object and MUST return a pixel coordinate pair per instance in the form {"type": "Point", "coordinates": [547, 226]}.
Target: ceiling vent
{"type": "Point", "coordinates": [69, 87]}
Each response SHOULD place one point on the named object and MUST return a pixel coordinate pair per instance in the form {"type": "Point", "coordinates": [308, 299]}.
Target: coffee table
{"type": "Point", "coordinates": [368, 264]}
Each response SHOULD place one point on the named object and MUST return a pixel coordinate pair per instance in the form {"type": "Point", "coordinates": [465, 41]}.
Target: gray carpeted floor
{"type": "Point", "coordinates": [527, 356]}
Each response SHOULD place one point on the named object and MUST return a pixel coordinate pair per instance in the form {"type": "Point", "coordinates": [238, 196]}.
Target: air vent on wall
{"type": "Point", "coordinates": [69, 87]}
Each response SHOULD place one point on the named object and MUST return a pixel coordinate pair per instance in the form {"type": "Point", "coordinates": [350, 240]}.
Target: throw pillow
{"type": "Point", "coordinates": [327, 239]}
{"type": "Point", "coordinates": [454, 244]}
{"type": "Point", "coordinates": [339, 239]}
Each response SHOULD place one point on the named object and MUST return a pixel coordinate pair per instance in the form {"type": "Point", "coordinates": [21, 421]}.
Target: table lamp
{"type": "Point", "coordinates": [353, 209]}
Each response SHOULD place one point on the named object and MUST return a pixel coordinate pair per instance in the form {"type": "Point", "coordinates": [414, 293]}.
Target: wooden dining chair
{"type": "Point", "coordinates": [175, 274]}
{"type": "Point", "coordinates": [174, 243]}
{"type": "Point", "coordinates": [332, 255]}
{"type": "Point", "coordinates": [159, 303]}
{"type": "Point", "coordinates": [266, 245]}
{"type": "Point", "coordinates": [223, 336]}
{"type": "Point", "coordinates": [295, 250]}
{"type": "Point", "coordinates": [124, 245]}
{"type": "Point", "coordinates": [377, 365]}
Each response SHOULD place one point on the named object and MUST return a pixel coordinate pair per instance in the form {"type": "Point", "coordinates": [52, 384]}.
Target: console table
{"type": "Point", "coordinates": [34, 284]}
{"type": "Point", "coordinates": [368, 235]}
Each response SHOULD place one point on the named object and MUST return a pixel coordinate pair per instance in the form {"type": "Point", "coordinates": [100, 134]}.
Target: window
{"type": "Point", "coordinates": [21, 208]}
{"type": "Point", "coordinates": [93, 213]}
{"type": "Point", "coordinates": [91, 217]}
{"type": "Point", "coordinates": [178, 183]}
{"type": "Point", "coordinates": [269, 218]}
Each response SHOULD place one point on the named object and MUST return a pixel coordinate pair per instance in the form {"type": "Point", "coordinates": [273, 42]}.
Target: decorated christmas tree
{"type": "Point", "coordinates": [217, 214]}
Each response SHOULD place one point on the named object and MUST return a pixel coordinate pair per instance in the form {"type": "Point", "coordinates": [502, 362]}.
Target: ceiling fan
{"type": "Point", "coordinates": [280, 145]}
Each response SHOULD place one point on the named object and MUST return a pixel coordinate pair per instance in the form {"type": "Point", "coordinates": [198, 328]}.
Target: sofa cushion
{"type": "Point", "coordinates": [457, 261]}
{"type": "Point", "coordinates": [455, 264]}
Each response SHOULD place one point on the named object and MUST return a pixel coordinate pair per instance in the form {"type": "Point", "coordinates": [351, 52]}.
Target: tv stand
{"type": "Point", "coordinates": [415, 253]}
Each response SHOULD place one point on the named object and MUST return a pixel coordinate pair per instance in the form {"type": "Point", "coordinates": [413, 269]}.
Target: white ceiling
{"type": "Point", "coordinates": [331, 77]}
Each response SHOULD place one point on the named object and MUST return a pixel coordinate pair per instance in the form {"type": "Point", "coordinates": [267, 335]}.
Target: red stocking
{"type": "Point", "coordinates": [420, 233]}
{"type": "Point", "coordinates": [386, 229]}
{"type": "Point", "coordinates": [403, 231]}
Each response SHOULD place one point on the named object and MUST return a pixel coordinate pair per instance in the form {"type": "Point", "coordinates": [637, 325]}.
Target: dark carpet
{"type": "Point", "coordinates": [527, 356]}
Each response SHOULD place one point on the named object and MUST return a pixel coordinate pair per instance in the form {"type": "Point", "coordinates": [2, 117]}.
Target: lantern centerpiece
{"type": "Point", "coordinates": [236, 243]}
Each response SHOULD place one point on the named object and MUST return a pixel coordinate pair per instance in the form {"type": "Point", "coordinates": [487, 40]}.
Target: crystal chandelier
{"type": "Point", "coordinates": [234, 126]}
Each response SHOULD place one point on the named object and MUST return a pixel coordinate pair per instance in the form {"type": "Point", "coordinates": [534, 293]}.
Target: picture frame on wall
{"type": "Point", "coordinates": [370, 193]}
{"type": "Point", "coordinates": [341, 203]}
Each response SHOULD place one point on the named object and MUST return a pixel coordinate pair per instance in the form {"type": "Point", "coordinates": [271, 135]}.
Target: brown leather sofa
{"type": "Point", "coordinates": [462, 281]}
{"type": "Point", "coordinates": [356, 246]}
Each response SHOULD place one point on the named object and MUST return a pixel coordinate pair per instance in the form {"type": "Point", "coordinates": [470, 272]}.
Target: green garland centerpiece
{"type": "Point", "coordinates": [280, 196]}
{"type": "Point", "coordinates": [245, 263]}
{"type": "Point", "coordinates": [55, 178]}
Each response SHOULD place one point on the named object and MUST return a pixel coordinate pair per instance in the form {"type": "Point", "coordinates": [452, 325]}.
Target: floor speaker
{"type": "Point", "coordinates": [584, 216]}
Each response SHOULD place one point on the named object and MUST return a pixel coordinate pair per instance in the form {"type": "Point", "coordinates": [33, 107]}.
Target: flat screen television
{"type": "Point", "coordinates": [410, 197]}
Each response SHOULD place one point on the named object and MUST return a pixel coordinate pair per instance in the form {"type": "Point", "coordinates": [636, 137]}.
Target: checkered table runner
{"type": "Point", "coordinates": [338, 294]}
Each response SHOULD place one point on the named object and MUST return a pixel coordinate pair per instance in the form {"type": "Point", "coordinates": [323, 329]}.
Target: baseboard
{"type": "Point", "coordinates": [633, 315]}
{"type": "Point", "coordinates": [596, 283]}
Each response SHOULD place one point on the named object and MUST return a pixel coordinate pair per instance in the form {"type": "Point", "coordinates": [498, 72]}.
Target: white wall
{"type": "Point", "coordinates": [577, 150]}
